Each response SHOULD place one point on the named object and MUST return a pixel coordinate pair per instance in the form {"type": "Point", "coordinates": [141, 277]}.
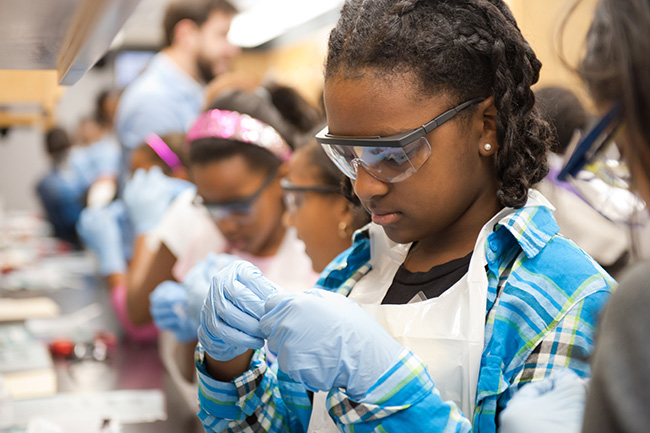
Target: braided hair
{"type": "Point", "coordinates": [463, 48]}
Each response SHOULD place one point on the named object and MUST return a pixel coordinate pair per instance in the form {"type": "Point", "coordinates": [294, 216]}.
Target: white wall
{"type": "Point", "coordinates": [22, 161]}
{"type": "Point", "coordinates": [22, 155]}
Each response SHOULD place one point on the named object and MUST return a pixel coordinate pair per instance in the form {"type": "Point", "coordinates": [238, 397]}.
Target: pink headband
{"type": "Point", "coordinates": [163, 151]}
{"type": "Point", "coordinates": [232, 125]}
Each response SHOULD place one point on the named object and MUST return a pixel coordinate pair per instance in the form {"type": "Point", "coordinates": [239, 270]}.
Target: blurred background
{"type": "Point", "coordinates": [282, 40]}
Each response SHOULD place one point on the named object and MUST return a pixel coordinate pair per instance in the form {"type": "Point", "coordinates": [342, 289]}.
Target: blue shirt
{"type": "Point", "coordinates": [544, 296]}
{"type": "Point", "coordinates": [100, 159]}
{"type": "Point", "coordinates": [62, 200]}
{"type": "Point", "coordinates": [161, 100]}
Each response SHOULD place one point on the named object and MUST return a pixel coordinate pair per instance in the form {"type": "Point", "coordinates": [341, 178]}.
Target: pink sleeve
{"type": "Point", "coordinates": [136, 333]}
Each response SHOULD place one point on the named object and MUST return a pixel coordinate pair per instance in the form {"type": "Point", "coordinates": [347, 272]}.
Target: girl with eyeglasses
{"type": "Point", "coordinates": [461, 291]}
{"type": "Point", "coordinates": [324, 218]}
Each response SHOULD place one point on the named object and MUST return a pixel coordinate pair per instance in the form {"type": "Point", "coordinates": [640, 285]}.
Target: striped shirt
{"type": "Point", "coordinates": [544, 296]}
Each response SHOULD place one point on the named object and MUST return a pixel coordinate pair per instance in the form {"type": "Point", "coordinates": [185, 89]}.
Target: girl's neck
{"type": "Point", "coordinates": [455, 242]}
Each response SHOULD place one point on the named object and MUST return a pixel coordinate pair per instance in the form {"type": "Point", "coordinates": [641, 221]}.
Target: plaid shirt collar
{"type": "Point", "coordinates": [532, 226]}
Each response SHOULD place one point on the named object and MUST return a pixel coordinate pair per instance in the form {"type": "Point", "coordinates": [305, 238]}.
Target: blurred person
{"type": "Point", "coordinates": [106, 106]}
{"type": "Point", "coordinates": [565, 113]}
{"type": "Point", "coordinates": [604, 240]}
{"type": "Point", "coordinates": [169, 94]}
{"type": "Point", "coordinates": [460, 291]}
{"type": "Point", "coordinates": [323, 217]}
{"type": "Point", "coordinates": [183, 238]}
{"type": "Point", "coordinates": [59, 191]}
{"type": "Point", "coordinates": [615, 68]}
{"type": "Point", "coordinates": [96, 161]}
{"type": "Point", "coordinates": [116, 239]}
{"type": "Point", "coordinates": [238, 154]}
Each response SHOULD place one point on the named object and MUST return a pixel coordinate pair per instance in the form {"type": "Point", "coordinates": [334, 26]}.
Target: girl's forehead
{"type": "Point", "coordinates": [360, 106]}
{"type": "Point", "coordinates": [370, 83]}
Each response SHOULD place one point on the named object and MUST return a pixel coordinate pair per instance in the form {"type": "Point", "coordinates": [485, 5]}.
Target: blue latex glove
{"type": "Point", "coordinates": [198, 279]}
{"type": "Point", "coordinates": [231, 312]}
{"type": "Point", "coordinates": [168, 307]}
{"type": "Point", "coordinates": [555, 404]}
{"type": "Point", "coordinates": [325, 341]}
{"type": "Point", "coordinates": [148, 195]}
{"type": "Point", "coordinates": [100, 230]}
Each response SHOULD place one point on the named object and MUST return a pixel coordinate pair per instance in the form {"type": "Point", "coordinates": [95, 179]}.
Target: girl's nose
{"type": "Point", "coordinates": [367, 187]}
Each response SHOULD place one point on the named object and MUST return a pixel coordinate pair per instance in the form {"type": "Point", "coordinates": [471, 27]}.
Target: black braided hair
{"type": "Point", "coordinates": [463, 48]}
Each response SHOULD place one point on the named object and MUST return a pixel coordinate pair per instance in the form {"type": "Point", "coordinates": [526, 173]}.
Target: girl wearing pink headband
{"type": "Point", "coordinates": [237, 155]}
{"type": "Point", "coordinates": [237, 151]}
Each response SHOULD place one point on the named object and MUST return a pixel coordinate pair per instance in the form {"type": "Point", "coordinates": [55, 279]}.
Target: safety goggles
{"type": "Point", "coordinates": [238, 209]}
{"type": "Point", "coordinates": [389, 159]}
{"type": "Point", "coordinates": [294, 195]}
{"type": "Point", "coordinates": [600, 176]}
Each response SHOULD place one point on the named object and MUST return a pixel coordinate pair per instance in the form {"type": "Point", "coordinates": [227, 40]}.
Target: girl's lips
{"type": "Point", "coordinates": [383, 219]}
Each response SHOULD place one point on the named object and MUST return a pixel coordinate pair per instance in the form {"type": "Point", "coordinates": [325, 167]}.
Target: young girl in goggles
{"type": "Point", "coordinates": [242, 219]}
{"type": "Point", "coordinates": [317, 206]}
{"type": "Point", "coordinates": [237, 157]}
{"type": "Point", "coordinates": [461, 290]}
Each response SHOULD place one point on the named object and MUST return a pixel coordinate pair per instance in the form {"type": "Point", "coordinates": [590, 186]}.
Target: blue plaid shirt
{"type": "Point", "coordinates": [544, 297]}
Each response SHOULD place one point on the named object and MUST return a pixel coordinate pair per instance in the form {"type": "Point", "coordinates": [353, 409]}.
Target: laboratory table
{"type": "Point", "coordinates": [128, 366]}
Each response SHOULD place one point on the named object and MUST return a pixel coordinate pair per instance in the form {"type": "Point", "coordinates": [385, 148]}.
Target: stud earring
{"type": "Point", "coordinates": [343, 227]}
{"type": "Point", "coordinates": [487, 147]}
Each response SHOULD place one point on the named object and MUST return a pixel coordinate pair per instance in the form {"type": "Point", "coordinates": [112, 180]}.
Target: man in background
{"type": "Point", "coordinates": [169, 95]}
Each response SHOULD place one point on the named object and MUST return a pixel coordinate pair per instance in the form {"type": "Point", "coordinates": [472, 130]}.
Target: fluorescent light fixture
{"type": "Point", "coordinates": [266, 20]}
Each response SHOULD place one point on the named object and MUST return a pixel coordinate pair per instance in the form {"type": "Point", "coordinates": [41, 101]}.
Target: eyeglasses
{"type": "Point", "coordinates": [600, 176]}
{"type": "Point", "coordinates": [389, 159]}
{"type": "Point", "coordinates": [241, 208]}
{"type": "Point", "coordinates": [294, 195]}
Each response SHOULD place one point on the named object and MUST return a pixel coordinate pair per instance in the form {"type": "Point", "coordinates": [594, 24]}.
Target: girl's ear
{"type": "Point", "coordinates": [488, 143]}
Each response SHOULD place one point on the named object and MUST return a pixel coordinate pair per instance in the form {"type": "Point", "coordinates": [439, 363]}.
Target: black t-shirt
{"type": "Point", "coordinates": [433, 283]}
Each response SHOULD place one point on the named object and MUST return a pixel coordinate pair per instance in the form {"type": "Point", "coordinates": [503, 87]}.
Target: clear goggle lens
{"type": "Point", "coordinates": [387, 164]}
{"type": "Point", "coordinates": [218, 213]}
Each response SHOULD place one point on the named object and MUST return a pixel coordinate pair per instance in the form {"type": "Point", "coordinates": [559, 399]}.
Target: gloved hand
{"type": "Point", "coordinates": [148, 195]}
{"type": "Point", "coordinates": [198, 279]}
{"type": "Point", "coordinates": [325, 340]}
{"type": "Point", "coordinates": [168, 306]}
{"type": "Point", "coordinates": [99, 229]}
{"type": "Point", "coordinates": [231, 312]}
{"type": "Point", "coordinates": [555, 404]}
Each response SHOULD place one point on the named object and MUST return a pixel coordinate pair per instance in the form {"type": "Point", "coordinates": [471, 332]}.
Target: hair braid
{"type": "Point", "coordinates": [465, 48]}
{"type": "Point", "coordinates": [516, 69]}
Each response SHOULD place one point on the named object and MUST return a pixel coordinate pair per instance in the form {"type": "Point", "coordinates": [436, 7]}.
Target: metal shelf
{"type": "Point", "coordinates": [68, 36]}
